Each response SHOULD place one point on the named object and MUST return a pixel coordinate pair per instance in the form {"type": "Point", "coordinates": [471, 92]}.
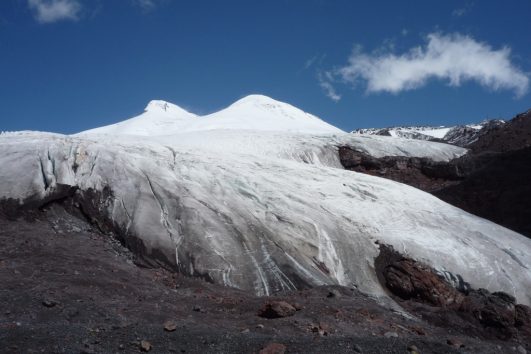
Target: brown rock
{"type": "Point", "coordinates": [297, 306]}
{"type": "Point", "coordinates": [409, 279]}
{"type": "Point", "coordinates": [418, 330]}
{"type": "Point", "coordinates": [454, 343]}
{"type": "Point", "coordinates": [170, 326]}
{"type": "Point", "coordinates": [145, 346]}
{"type": "Point", "coordinates": [276, 309]}
{"type": "Point", "coordinates": [273, 348]}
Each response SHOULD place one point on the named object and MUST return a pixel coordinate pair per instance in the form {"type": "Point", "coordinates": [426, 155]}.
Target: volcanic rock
{"type": "Point", "coordinates": [276, 309]}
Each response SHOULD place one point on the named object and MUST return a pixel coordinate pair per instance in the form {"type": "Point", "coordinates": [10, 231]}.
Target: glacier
{"type": "Point", "coordinates": [254, 197]}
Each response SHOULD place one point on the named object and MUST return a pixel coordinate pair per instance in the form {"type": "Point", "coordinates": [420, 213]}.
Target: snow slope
{"type": "Point", "coordinates": [460, 135]}
{"type": "Point", "coordinates": [158, 118]}
{"type": "Point", "coordinates": [433, 132]}
{"type": "Point", "coordinates": [263, 210]}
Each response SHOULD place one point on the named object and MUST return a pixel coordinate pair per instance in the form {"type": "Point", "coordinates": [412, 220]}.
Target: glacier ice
{"type": "Point", "coordinates": [263, 209]}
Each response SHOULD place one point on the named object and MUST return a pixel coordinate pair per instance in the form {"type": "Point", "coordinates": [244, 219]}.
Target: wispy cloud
{"type": "Point", "coordinates": [325, 81]}
{"type": "Point", "coordinates": [146, 5]}
{"type": "Point", "coordinates": [310, 62]}
{"type": "Point", "coordinates": [49, 11]}
{"type": "Point", "coordinates": [456, 58]}
{"type": "Point", "coordinates": [459, 12]}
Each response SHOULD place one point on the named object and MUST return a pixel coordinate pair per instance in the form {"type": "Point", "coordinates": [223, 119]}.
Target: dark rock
{"type": "Point", "coordinates": [522, 316]}
{"type": "Point", "coordinates": [454, 343]}
{"type": "Point", "coordinates": [49, 303]}
{"type": "Point", "coordinates": [492, 310]}
{"type": "Point", "coordinates": [333, 293]}
{"type": "Point", "coordinates": [513, 135]}
{"type": "Point", "coordinates": [277, 309]}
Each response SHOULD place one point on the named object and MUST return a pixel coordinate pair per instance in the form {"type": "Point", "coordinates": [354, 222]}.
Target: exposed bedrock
{"type": "Point", "coordinates": [422, 173]}
{"type": "Point", "coordinates": [414, 282]}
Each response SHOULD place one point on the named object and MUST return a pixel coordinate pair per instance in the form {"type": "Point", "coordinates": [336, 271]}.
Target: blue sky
{"type": "Point", "coordinates": [70, 65]}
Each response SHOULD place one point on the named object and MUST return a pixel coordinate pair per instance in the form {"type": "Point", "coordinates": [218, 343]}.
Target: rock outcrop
{"type": "Point", "coordinates": [414, 281]}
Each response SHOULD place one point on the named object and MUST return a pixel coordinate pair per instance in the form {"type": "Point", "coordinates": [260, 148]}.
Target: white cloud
{"type": "Point", "coordinates": [325, 81]}
{"type": "Point", "coordinates": [456, 58]}
{"type": "Point", "coordinates": [48, 11]}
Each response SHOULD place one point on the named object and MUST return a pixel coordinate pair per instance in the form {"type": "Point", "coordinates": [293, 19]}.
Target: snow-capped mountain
{"type": "Point", "coordinates": [253, 112]}
{"type": "Point", "coordinates": [254, 197]}
{"type": "Point", "coordinates": [460, 135]}
{"type": "Point", "coordinates": [158, 118]}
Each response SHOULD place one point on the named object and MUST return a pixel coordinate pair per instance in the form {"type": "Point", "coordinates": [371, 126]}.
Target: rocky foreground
{"type": "Point", "coordinates": [68, 288]}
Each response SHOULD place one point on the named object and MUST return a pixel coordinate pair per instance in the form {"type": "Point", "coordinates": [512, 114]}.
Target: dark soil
{"type": "Point", "coordinates": [67, 288]}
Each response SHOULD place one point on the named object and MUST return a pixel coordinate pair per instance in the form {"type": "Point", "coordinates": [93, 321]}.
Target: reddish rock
{"type": "Point", "coordinates": [496, 313]}
{"type": "Point", "coordinates": [412, 280]}
{"type": "Point", "coordinates": [276, 309]}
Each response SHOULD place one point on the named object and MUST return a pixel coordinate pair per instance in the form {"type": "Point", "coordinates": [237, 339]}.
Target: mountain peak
{"type": "Point", "coordinates": [163, 106]}
{"type": "Point", "coordinates": [256, 99]}
{"type": "Point", "coordinates": [252, 112]}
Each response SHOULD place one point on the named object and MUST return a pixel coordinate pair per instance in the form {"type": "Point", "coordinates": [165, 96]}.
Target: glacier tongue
{"type": "Point", "coordinates": [263, 211]}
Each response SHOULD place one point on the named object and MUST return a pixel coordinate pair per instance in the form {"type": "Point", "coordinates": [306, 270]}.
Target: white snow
{"type": "Point", "coordinates": [258, 204]}
{"type": "Point", "coordinates": [159, 117]}
{"type": "Point", "coordinates": [254, 112]}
